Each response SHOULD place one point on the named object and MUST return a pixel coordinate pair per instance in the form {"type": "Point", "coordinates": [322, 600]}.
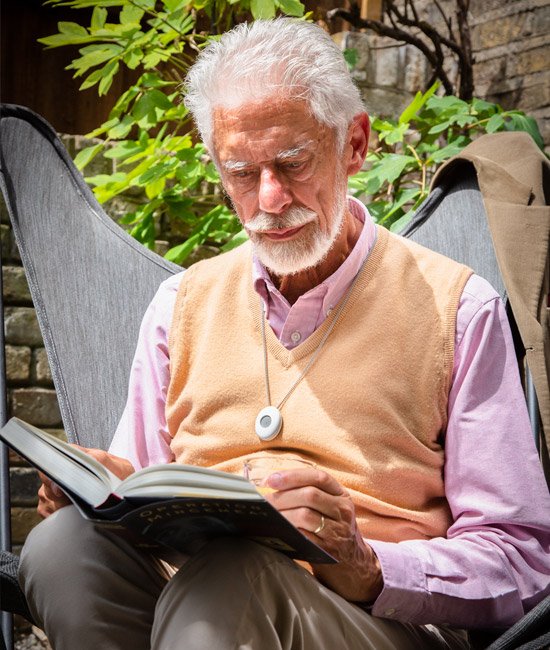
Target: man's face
{"type": "Point", "coordinates": [280, 168]}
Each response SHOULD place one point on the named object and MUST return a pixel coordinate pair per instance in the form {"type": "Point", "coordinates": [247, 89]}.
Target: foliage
{"type": "Point", "coordinates": [428, 132]}
{"type": "Point", "coordinates": [148, 131]}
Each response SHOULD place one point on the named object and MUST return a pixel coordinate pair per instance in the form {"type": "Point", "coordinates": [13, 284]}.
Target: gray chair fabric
{"type": "Point", "coordinates": [90, 283]}
{"type": "Point", "coordinates": [91, 288]}
{"type": "Point", "coordinates": [453, 222]}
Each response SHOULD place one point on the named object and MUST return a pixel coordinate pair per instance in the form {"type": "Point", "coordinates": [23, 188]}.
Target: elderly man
{"type": "Point", "coordinates": [389, 367]}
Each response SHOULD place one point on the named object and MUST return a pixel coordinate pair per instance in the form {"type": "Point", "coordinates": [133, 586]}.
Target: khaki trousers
{"type": "Point", "coordinates": [89, 589]}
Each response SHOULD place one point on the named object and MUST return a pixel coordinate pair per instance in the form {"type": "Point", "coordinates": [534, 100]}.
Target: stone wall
{"type": "Point", "coordinates": [31, 395]}
{"type": "Point", "coordinates": [512, 54]}
{"type": "Point", "coordinates": [511, 49]}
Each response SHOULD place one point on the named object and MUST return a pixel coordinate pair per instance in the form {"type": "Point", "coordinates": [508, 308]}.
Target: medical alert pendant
{"type": "Point", "coordinates": [268, 423]}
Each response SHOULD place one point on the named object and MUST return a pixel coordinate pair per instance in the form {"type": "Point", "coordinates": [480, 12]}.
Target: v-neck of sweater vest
{"type": "Point", "coordinates": [288, 357]}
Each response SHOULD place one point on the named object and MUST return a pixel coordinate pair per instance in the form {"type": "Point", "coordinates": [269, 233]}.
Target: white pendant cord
{"type": "Point", "coordinates": [317, 351]}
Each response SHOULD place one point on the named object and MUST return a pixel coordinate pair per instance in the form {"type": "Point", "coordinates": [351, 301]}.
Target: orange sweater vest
{"type": "Point", "coordinates": [370, 411]}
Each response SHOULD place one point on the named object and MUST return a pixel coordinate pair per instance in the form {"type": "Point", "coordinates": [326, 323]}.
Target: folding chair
{"type": "Point", "coordinates": [90, 289]}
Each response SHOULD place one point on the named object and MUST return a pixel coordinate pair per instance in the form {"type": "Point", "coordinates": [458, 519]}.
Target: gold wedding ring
{"type": "Point", "coordinates": [320, 526]}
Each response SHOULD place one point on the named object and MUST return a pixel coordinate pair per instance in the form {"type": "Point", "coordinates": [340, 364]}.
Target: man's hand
{"type": "Point", "coordinates": [50, 496]}
{"type": "Point", "coordinates": [314, 501]}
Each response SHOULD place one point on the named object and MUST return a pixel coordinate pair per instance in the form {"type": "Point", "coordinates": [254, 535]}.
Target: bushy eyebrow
{"type": "Point", "coordinates": [294, 152]}
{"type": "Point", "coordinates": [287, 154]}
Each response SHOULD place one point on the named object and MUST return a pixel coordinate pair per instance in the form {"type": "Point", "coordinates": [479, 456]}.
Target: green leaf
{"type": "Point", "coordinates": [174, 5]}
{"type": "Point", "coordinates": [182, 208]}
{"type": "Point", "coordinates": [109, 72]}
{"type": "Point", "coordinates": [144, 105]}
{"type": "Point", "coordinates": [495, 123]}
{"type": "Point", "coordinates": [397, 134]}
{"type": "Point", "coordinates": [91, 79]}
{"type": "Point", "coordinates": [208, 222]}
{"type": "Point", "coordinates": [520, 122]}
{"type": "Point", "coordinates": [144, 231]}
{"type": "Point", "coordinates": [151, 60]}
{"type": "Point", "coordinates": [449, 150]}
{"type": "Point", "coordinates": [351, 57]}
{"type": "Point", "coordinates": [397, 226]}
{"type": "Point", "coordinates": [152, 190]}
{"type": "Point", "coordinates": [417, 103]}
{"type": "Point", "coordinates": [95, 55]}
{"type": "Point", "coordinates": [154, 80]}
{"type": "Point", "coordinates": [442, 126]}
{"type": "Point", "coordinates": [133, 58]}
{"type": "Point", "coordinates": [262, 9]}
{"type": "Point", "coordinates": [87, 155]}
{"type": "Point", "coordinates": [449, 104]}
{"type": "Point", "coordinates": [99, 16]}
{"type": "Point", "coordinates": [291, 7]}
{"type": "Point", "coordinates": [130, 14]}
{"type": "Point", "coordinates": [382, 125]}
{"type": "Point", "coordinates": [122, 129]}
{"type": "Point", "coordinates": [59, 40]}
{"type": "Point", "coordinates": [408, 195]}
{"type": "Point", "coordinates": [73, 29]}
{"type": "Point", "coordinates": [386, 170]}
{"type": "Point", "coordinates": [105, 179]}
{"type": "Point", "coordinates": [103, 128]}
{"type": "Point", "coordinates": [481, 107]}
{"type": "Point", "coordinates": [146, 4]}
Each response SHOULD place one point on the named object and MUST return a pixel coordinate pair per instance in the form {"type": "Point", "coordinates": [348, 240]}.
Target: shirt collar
{"type": "Point", "coordinates": [335, 285]}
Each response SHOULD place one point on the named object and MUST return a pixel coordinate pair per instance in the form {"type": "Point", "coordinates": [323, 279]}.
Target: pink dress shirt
{"type": "Point", "coordinates": [494, 563]}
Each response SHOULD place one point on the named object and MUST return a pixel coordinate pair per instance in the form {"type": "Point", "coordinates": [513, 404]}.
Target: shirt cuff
{"type": "Point", "coordinates": [402, 597]}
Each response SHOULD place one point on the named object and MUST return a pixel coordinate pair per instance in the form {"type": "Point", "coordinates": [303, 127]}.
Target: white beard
{"type": "Point", "coordinates": [306, 250]}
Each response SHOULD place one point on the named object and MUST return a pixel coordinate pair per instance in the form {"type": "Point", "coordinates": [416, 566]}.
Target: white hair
{"type": "Point", "coordinates": [281, 57]}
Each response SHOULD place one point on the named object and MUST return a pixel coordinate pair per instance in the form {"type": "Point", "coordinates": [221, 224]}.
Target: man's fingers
{"type": "Point", "coordinates": [51, 488]}
{"type": "Point", "coordinates": [118, 466]}
{"type": "Point", "coordinates": [297, 478]}
{"type": "Point", "coordinates": [50, 497]}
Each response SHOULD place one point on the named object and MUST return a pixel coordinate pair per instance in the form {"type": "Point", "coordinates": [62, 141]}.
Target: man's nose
{"type": "Point", "coordinates": [274, 196]}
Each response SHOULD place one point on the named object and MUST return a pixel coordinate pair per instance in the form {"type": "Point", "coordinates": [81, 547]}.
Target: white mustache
{"type": "Point", "coordinates": [293, 218]}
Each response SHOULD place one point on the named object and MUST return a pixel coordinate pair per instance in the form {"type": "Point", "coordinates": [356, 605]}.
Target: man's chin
{"type": "Point", "coordinates": [288, 263]}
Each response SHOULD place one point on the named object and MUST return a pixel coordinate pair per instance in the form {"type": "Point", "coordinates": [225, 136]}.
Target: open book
{"type": "Point", "coordinates": [176, 507]}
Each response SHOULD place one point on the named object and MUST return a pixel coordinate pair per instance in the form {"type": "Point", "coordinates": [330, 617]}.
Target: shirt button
{"type": "Point", "coordinates": [389, 612]}
{"type": "Point", "coordinates": [295, 336]}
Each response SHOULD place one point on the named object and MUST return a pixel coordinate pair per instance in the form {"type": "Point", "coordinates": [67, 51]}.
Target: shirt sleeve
{"type": "Point", "coordinates": [142, 434]}
{"type": "Point", "coordinates": [494, 563]}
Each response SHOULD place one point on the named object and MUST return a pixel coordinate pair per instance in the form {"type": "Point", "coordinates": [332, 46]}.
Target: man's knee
{"type": "Point", "coordinates": [50, 545]}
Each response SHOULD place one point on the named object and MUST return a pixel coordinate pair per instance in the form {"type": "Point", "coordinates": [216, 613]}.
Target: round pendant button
{"type": "Point", "coordinates": [268, 423]}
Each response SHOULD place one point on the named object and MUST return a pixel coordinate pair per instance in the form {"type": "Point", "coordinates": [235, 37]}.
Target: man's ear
{"type": "Point", "coordinates": [358, 139]}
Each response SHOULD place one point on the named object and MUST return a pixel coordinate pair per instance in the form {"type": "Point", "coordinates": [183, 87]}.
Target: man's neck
{"type": "Point", "coordinates": [296, 285]}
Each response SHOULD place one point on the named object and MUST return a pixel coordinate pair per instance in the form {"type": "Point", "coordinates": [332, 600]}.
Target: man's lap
{"type": "Point", "coordinates": [231, 594]}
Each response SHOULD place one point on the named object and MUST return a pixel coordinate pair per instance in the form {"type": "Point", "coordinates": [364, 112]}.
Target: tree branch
{"type": "Point", "coordinates": [402, 28]}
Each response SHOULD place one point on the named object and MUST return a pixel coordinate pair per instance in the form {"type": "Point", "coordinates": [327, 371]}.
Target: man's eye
{"type": "Point", "coordinates": [242, 173]}
{"type": "Point", "coordinates": [294, 165]}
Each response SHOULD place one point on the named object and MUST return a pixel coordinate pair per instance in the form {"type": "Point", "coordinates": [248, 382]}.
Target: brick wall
{"type": "Point", "coordinates": [511, 48]}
